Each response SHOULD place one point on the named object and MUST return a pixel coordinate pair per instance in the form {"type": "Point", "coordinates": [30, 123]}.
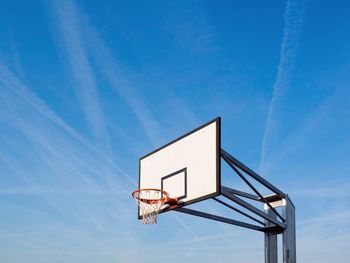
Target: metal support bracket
{"type": "Point", "coordinates": [219, 218]}
{"type": "Point", "coordinates": [252, 173]}
{"type": "Point", "coordinates": [271, 226]}
{"type": "Point", "coordinates": [251, 208]}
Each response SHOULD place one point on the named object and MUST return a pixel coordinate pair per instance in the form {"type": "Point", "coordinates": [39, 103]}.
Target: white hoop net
{"type": "Point", "coordinates": [150, 202]}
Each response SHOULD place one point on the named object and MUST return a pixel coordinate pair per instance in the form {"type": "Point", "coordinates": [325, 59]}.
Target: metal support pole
{"type": "Point", "coordinates": [289, 241]}
{"type": "Point", "coordinates": [271, 254]}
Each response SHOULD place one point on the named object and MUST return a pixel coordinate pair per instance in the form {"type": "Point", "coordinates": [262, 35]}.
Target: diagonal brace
{"type": "Point", "coordinates": [251, 186]}
{"type": "Point", "coordinates": [238, 211]}
{"type": "Point", "coordinates": [241, 193]}
{"type": "Point", "coordinates": [251, 208]}
{"type": "Point", "coordinates": [219, 218]}
{"type": "Point", "coordinates": [252, 173]}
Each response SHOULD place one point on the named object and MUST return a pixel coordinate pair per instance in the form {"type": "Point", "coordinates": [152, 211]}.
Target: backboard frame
{"type": "Point", "coordinates": [218, 164]}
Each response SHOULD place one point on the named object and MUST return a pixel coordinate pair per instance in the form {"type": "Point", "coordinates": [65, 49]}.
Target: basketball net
{"type": "Point", "coordinates": [150, 202]}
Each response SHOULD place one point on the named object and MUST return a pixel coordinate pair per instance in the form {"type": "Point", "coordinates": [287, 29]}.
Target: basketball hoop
{"type": "Point", "coordinates": [150, 202]}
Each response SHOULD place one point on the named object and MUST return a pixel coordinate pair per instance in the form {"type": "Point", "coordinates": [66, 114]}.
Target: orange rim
{"type": "Point", "coordinates": [165, 200]}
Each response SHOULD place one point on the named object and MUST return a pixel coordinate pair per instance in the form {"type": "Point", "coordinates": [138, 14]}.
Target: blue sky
{"type": "Point", "coordinates": [88, 87]}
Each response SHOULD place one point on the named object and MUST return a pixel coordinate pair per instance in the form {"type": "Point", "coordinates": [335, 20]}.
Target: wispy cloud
{"type": "Point", "coordinates": [317, 120]}
{"type": "Point", "coordinates": [191, 31]}
{"type": "Point", "coordinates": [13, 83]}
{"type": "Point", "coordinates": [52, 147]}
{"type": "Point", "coordinates": [52, 175]}
{"type": "Point", "coordinates": [121, 81]}
{"type": "Point", "coordinates": [134, 92]}
{"type": "Point", "coordinates": [50, 160]}
{"type": "Point", "coordinates": [293, 20]}
{"type": "Point", "coordinates": [325, 230]}
{"type": "Point", "coordinates": [331, 192]}
{"type": "Point", "coordinates": [80, 40]}
{"type": "Point", "coordinates": [70, 33]}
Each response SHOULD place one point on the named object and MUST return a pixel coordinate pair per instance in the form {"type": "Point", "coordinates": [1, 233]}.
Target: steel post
{"type": "Point", "coordinates": [289, 240]}
{"type": "Point", "coordinates": [271, 249]}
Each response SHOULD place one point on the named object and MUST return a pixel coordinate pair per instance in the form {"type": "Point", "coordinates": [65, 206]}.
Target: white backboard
{"type": "Point", "coordinates": [187, 168]}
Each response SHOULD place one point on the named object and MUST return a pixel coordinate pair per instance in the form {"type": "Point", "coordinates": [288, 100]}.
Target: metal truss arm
{"type": "Point", "coordinates": [240, 193]}
{"type": "Point", "coordinates": [251, 208]}
{"type": "Point", "coordinates": [232, 165]}
{"type": "Point", "coordinates": [238, 211]}
{"type": "Point", "coordinates": [219, 218]}
{"type": "Point", "coordinates": [252, 173]}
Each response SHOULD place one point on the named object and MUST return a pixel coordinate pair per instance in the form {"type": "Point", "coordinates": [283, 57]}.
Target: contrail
{"type": "Point", "coordinates": [10, 81]}
{"type": "Point", "coordinates": [120, 81]}
{"type": "Point", "coordinates": [293, 19]}
{"type": "Point", "coordinates": [70, 34]}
